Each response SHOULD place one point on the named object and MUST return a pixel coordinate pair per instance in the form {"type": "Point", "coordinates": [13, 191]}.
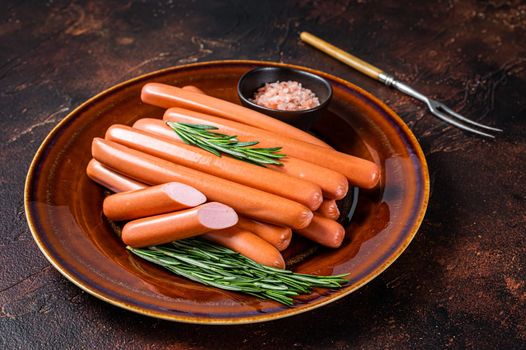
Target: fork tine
{"type": "Point", "coordinates": [389, 80]}
{"type": "Point", "coordinates": [458, 116]}
{"type": "Point", "coordinates": [452, 121]}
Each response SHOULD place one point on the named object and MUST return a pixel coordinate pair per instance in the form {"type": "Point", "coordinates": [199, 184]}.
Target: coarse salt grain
{"type": "Point", "coordinates": [286, 96]}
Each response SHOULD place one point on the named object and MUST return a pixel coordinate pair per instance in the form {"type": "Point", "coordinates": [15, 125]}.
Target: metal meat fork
{"type": "Point", "coordinates": [437, 108]}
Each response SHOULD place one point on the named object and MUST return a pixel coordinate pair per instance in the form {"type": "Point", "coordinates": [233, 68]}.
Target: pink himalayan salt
{"type": "Point", "coordinates": [286, 96]}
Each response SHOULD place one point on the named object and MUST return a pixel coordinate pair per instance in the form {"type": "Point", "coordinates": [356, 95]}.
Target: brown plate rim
{"type": "Point", "coordinates": [238, 320]}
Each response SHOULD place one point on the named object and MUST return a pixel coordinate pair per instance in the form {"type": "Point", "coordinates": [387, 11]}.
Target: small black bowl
{"type": "Point", "coordinates": [256, 78]}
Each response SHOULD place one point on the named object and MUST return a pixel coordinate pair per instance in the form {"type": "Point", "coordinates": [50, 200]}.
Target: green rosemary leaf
{"type": "Point", "coordinates": [270, 149]}
{"type": "Point", "coordinates": [202, 136]}
{"type": "Point", "coordinates": [246, 144]}
{"type": "Point", "coordinates": [199, 126]}
{"type": "Point", "coordinates": [220, 267]}
{"type": "Point", "coordinates": [209, 149]}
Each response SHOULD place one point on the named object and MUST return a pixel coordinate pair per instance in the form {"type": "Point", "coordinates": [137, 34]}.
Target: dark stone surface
{"type": "Point", "coordinates": [461, 283]}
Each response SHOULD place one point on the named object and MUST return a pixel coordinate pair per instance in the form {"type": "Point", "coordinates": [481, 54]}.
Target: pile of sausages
{"type": "Point", "coordinates": [162, 184]}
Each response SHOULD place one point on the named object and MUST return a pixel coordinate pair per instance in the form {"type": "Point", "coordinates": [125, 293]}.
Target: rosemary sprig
{"type": "Point", "coordinates": [201, 135]}
{"type": "Point", "coordinates": [220, 267]}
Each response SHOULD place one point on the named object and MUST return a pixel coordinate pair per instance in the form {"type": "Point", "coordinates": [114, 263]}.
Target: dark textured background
{"type": "Point", "coordinates": [460, 284]}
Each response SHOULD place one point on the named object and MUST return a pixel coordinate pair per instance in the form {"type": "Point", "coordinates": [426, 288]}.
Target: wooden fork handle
{"type": "Point", "coordinates": [342, 56]}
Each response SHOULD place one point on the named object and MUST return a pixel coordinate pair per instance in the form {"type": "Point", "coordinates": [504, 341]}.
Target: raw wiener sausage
{"type": "Point", "coordinates": [329, 189]}
{"type": "Point", "coordinates": [245, 200]}
{"type": "Point", "coordinates": [192, 88]}
{"type": "Point", "coordinates": [278, 236]}
{"type": "Point", "coordinates": [329, 209]}
{"type": "Point", "coordinates": [167, 96]}
{"type": "Point", "coordinates": [225, 167]}
{"type": "Point", "coordinates": [358, 171]}
{"type": "Point", "coordinates": [332, 183]}
{"type": "Point", "coordinates": [178, 225]}
{"type": "Point", "coordinates": [110, 179]}
{"type": "Point", "coordinates": [150, 201]}
{"type": "Point", "coordinates": [247, 244]}
{"type": "Point", "coordinates": [324, 231]}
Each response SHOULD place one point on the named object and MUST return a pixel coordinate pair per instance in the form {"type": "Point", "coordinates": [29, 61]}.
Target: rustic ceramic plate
{"type": "Point", "coordinates": [63, 206]}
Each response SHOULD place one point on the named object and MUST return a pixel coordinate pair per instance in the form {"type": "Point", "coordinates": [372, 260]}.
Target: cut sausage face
{"type": "Point", "coordinates": [150, 201]}
{"type": "Point", "coordinates": [165, 228]}
{"type": "Point", "coordinates": [216, 216]}
{"type": "Point", "coordinates": [184, 194]}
